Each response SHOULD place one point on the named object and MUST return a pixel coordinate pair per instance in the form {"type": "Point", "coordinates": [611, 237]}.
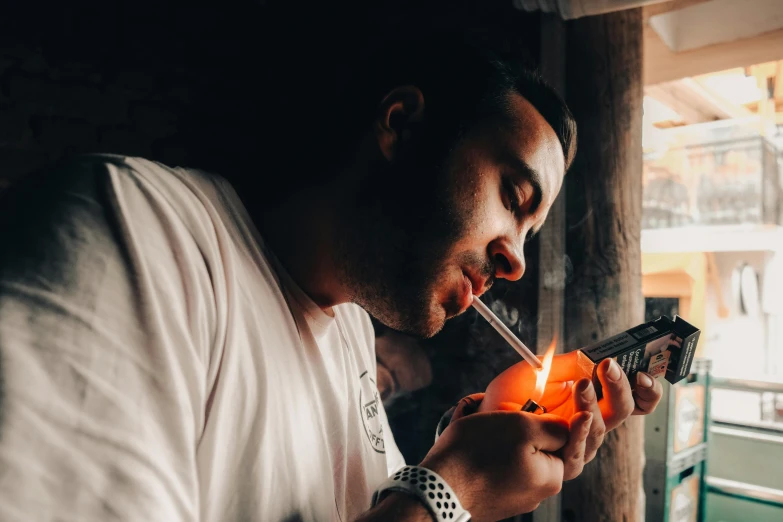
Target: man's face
{"type": "Point", "coordinates": [431, 230]}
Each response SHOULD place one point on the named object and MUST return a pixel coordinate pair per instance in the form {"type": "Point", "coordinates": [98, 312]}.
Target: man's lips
{"type": "Point", "coordinates": [478, 284]}
{"type": "Point", "coordinates": [472, 286]}
{"type": "Point", "coordinates": [466, 295]}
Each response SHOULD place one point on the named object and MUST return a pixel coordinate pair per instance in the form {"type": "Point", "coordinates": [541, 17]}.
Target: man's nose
{"type": "Point", "coordinates": [509, 259]}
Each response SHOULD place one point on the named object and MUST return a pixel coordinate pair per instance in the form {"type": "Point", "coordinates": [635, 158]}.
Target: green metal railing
{"type": "Point", "coordinates": [746, 461]}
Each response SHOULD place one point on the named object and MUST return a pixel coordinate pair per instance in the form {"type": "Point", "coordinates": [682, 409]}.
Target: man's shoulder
{"type": "Point", "coordinates": [154, 174]}
{"type": "Point", "coordinates": [145, 185]}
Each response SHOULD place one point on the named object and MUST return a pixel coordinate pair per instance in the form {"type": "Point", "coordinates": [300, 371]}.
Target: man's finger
{"type": "Point", "coordinates": [646, 394]}
{"type": "Point", "coordinates": [556, 394]}
{"type": "Point", "coordinates": [467, 406]}
{"type": "Point", "coordinates": [586, 400]}
{"type": "Point", "coordinates": [549, 479]}
{"type": "Point", "coordinates": [548, 433]}
{"type": "Point", "coordinates": [574, 452]}
{"type": "Point", "coordinates": [617, 403]}
{"type": "Point", "coordinates": [570, 366]}
{"type": "Point", "coordinates": [509, 406]}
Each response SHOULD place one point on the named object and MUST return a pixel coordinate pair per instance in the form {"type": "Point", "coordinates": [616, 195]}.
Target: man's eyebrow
{"type": "Point", "coordinates": [530, 174]}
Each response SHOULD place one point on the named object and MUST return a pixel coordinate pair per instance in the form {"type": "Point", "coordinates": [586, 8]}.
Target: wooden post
{"type": "Point", "coordinates": [603, 229]}
{"type": "Point", "coordinates": [551, 255]}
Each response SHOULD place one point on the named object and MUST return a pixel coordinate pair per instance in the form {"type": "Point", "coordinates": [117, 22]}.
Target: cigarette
{"type": "Point", "coordinates": [507, 334]}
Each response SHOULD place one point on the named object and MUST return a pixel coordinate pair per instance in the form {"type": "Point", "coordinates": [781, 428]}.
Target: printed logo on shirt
{"type": "Point", "coordinates": [371, 412]}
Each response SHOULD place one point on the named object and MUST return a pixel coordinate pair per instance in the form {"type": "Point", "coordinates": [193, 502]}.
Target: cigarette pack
{"type": "Point", "coordinates": [662, 348]}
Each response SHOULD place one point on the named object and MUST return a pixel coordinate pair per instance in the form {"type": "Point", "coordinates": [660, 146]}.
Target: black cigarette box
{"type": "Point", "coordinates": [661, 348]}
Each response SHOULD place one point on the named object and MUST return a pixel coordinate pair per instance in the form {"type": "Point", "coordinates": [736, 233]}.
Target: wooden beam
{"type": "Point", "coordinates": [690, 107]}
{"type": "Point", "coordinates": [551, 253]}
{"type": "Point", "coordinates": [665, 7]}
{"type": "Point", "coordinates": [766, 106]}
{"type": "Point", "coordinates": [603, 223]}
{"type": "Point", "coordinates": [764, 70]}
{"type": "Point", "coordinates": [663, 65]}
{"type": "Point", "coordinates": [714, 101]}
{"type": "Point", "coordinates": [778, 91]}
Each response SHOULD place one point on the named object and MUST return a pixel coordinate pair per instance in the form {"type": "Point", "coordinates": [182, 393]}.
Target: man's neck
{"type": "Point", "coordinates": [300, 232]}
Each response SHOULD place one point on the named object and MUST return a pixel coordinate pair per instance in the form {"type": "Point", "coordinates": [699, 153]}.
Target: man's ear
{"type": "Point", "coordinates": [398, 114]}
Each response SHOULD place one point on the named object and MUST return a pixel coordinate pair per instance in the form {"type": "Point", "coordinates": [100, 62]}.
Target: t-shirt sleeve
{"type": "Point", "coordinates": [105, 336]}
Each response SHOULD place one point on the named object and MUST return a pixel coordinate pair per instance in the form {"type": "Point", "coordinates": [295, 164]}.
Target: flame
{"type": "Point", "coordinates": [543, 374]}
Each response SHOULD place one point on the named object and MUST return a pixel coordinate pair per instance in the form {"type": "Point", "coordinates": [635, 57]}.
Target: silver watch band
{"type": "Point", "coordinates": [430, 488]}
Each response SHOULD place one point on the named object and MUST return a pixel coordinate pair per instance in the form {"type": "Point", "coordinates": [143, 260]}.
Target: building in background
{"type": "Point", "coordinates": [712, 204]}
{"type": "Point", "coordinates": [712, 242]}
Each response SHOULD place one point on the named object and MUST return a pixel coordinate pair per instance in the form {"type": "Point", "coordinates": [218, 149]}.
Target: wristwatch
{"type": "Point", "coordinates": [431, 490]}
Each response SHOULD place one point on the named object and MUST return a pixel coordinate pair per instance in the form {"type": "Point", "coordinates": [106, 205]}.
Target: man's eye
{"type": "Point", "coordinates": [514, 202]}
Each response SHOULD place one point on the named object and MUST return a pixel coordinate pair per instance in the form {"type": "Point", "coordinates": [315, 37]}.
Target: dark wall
{"type": "Point", "coordinates": [142, 78]}
{"type": "Point", "coordinates": [205, 84]}
{"type": "Point", "coordinates": [188, 83]}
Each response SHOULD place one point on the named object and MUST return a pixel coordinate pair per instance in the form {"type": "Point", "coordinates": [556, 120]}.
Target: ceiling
{"type": "Point", "coordinates": [683, 38]}
{"type": "Point", "coordinates": [708, 60]}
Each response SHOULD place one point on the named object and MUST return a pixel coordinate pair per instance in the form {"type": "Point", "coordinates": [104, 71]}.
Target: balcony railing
{"type": "Point", "coordinates": [720, 183]}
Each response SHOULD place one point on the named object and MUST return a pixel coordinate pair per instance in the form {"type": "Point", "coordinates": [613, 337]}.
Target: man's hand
{"type": "Point", "coordinates": [504, 463]}
{"type": "Point", "coordinates": [569, 394]}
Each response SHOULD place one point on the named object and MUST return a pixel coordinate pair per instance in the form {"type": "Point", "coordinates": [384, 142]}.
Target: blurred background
{"type": "Point", "coordinates": [711, 238]}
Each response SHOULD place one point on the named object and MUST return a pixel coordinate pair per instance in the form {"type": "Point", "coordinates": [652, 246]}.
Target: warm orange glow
{"type": "Point", "coordinates": [543, 374]}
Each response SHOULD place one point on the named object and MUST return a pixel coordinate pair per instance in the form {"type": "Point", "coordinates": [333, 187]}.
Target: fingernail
{"type": "Point", "coordinates": [613, 373]}
{"type": "Point", "coordinates": [588, 422]}
{"type": "Point", "coordinates": [644, 380]}
{"type": "Point", "coordinates": [469, 406]}
{"type": "Point", "coordinates": [586, 390]}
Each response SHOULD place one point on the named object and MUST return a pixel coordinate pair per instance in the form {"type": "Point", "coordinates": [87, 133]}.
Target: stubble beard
{"type": "Point", "coordinates": [393, 247]}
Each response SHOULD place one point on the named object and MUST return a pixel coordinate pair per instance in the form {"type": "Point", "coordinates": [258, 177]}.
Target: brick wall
{"type": "Point", "coordinates": [174, 83]}
{"type": "Point", "coordinates": [188, 83]}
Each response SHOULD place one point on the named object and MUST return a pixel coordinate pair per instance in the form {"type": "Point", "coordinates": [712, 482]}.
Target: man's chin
{"type": "Point", "coordinates": [431, 330]}
{"type": "Point", "coordinates": [423, 326]}
{"type": "Point", "coordinates": [422, 329]}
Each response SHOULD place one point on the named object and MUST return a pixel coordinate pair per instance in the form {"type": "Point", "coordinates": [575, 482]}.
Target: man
{"type": "Point", "coordinates": [173, 349]}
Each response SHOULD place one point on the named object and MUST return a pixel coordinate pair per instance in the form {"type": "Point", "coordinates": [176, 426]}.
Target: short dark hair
{"type": "Point", "coordinates": [531, 86]}
{"type": "Point", "coordinates": [463, 81]}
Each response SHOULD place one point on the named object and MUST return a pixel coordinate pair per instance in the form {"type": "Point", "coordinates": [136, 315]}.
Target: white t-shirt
{"type": "Point", "coordinates": [158, 365]}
